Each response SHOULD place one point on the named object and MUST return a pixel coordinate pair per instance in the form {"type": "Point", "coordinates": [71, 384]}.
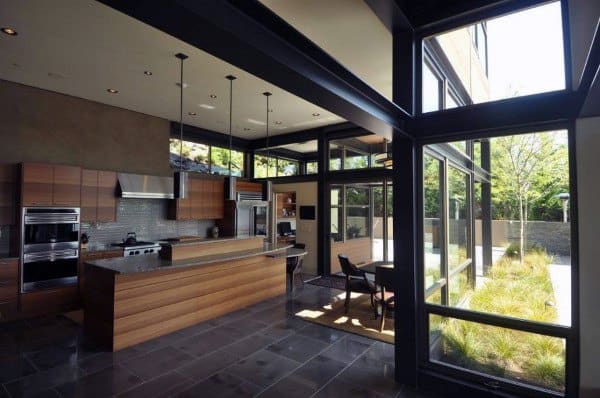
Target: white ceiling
{"type": "Point", "coordinates": [82, 48]}
{"type": "Point", "coordinates": [349, 31]}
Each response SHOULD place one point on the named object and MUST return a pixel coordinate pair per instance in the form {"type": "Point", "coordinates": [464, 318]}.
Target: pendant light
{"type": "Point", "coordinates": [268, 94]}
{"type": "Point", "coordinates": [231, 78]}
{"type": "Point", "coordinates": [180, 178]}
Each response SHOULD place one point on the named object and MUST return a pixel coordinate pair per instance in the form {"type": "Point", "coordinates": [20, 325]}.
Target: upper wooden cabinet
{"type": "Point", "coordinates": [8, 194]}
{"type": "Point", "coordinates": [98, 200]}
{"type": "Point", "coordinates": [50, 185]}
{"type": "Point", "coordinates": [204, 200]}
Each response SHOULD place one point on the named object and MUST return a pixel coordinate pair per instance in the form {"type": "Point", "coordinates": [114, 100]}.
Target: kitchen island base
{"type": "Point", "coordinates": [125, 309]}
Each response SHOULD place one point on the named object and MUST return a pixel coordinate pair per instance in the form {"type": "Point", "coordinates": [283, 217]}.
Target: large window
{"type": "Point", "coordinates": [359, 152]}
{"type": "Point", "coordinates": [272, 166]}
{"type": "Point", "coordinates": [205, 158]}
{"type": "Point", "coordinates": [358, 204]}
{"type": "Point", "coordinates": [497, 268]}
{"type": "Point", "coordinates": [509, 56]}
{"type": "Point", "coordinates": [312, 167]}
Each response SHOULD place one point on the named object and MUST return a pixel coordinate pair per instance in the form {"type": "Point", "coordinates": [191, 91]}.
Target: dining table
{"type": "Point", "coordinates": [371, 267]}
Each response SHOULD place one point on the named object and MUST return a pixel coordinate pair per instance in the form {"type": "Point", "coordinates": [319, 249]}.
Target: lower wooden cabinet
{"type": "Point", "coordinates": [9, 288]}
{"type": "Point", "coordinates": [50, 301]}
{"type": "Point", "coordinates": [99, 255]}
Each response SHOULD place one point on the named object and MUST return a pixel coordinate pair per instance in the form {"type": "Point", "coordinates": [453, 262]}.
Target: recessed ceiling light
{"type": "Point", "coordinates": [206, 106]}
{"type": "Point", "coordinates": [9, 31]}
{"type": "Point", "coordinates": [278, 122]}
{"type": "Point", "coordinates": [185, 85]}
{"type": "Point", "coordinates": [112, 90]}
{"type": "Point", "coordinates": [147, 73]}
{"type": "Point", "coordinates": [316, 114]}
{"type": "Point", "coordinates": [213, 96]}
{"type": "Point", "coordinates": [246, 129]}
{"type": "Point", "coordinates": [192, 113]}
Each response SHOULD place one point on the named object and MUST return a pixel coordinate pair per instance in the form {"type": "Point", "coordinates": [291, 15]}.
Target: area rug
{"type": "Point", "coordinates": [359, 320]}
{"type": "Point", "coordinates": [331, 281]}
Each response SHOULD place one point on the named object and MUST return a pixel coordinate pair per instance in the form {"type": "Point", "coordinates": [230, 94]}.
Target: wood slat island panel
{"type": "Point", "coordinates": [126, 309]}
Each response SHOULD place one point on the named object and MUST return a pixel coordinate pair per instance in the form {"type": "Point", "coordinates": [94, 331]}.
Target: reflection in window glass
{"type": "Point", "coordinates": [194, 155]}
{"type": "Point", "coordinates": [286, 167]}
{"type": "Point", "coordinates": [357, 212]}
{"type": "Point", "coordinates": [355, 160]}
{"type": "Point", "coordinates": [312, 167]}
{"type": "Point", "coordinates": [457, 218]}
{"type": "Point", "coordinates": [220, 161]}
{"type": "Point", "coordinates": [432, 86]}
{"type": "Point", "coordinates": [264, 167]}
{"type": "Point", "coordinates": [515, 355]}
{"type": "Point", "coordinates": [432, 223]}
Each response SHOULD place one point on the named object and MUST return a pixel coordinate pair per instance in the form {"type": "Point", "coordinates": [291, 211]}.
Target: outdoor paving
{"type": "Point", "coordinates": [262, 351]}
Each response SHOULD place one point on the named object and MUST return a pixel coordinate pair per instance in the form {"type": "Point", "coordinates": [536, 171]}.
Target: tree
{"type": "Point", "coordinates": [526, 170]}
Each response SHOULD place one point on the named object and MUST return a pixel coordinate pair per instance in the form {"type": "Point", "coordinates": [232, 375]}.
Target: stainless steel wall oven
{"type": "Point", "coordinates": [50, 251]}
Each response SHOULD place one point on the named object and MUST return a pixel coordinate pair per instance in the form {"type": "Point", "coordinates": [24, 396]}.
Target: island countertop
{"type": "Point", "coordinates": [152, 262]}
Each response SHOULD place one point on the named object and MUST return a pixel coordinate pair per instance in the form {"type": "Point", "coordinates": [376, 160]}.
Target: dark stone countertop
{"type": "Point", "coordinates": [152, 262]}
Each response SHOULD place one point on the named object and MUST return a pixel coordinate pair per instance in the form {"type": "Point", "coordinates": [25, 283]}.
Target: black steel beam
{"type": "Point", "coordinates": [390, 14]}
{"type": "Point", "coordinates": [405, 261]}
{"type": "Point", "coordinates": [589, 84]}
{"type": "Point", "coordinates": [248, 35]}
{"type": "Point", "coordinates": [477, 120]}
{"type": "Point", "coordinates": [209, 137]}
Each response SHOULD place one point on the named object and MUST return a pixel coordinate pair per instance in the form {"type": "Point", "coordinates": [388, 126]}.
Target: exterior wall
{"type": "Point", "coordinates": [43, 126]}
{"type": "Point", "coordinates": [463, 56]}
{"type": "Point", "coordinates": [306, 230]}
{"type": "Point", "coordinates": [588, 197]}
{"type": "Point", "coordinates": [554, 236]}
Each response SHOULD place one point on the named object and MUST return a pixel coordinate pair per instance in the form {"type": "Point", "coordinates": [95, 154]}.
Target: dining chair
{"type": "Point", "coordinates": [356, 281]}
{"type": "Point", "coordinates": [384, 279]}
{"type": "Point", "coordinates": [294, 265]}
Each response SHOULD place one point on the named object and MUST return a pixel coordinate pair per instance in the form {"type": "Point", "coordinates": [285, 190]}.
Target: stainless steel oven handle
{"type": "Point", "coordinates": [51, 256]}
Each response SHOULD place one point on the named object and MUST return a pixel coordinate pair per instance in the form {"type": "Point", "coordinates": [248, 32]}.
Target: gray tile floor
{"type": "Point", "coordinates": [260, 351]}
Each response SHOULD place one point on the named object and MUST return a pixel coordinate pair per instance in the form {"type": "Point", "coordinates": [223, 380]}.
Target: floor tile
{"type": "Point", "coordinates": [325, 334]}
{"type": "Point", "coordinates": [288, 388]}
{"type": "Point", "coordinates": [201, 368]}
{"type": "Point", "coordinates": [317, 372]}
{"type": "Point", "coordinates": [14, 367]}
{"type": "Point", "coordinates": [206, 342]}
{"type": "Point", "coordinates": [250, 345]}
{"type": "Point", "coordinates": [378, 377]}
{"type": "Point", "coordinates": [44, 380]}
{"type": "Point", "coordinates": [297, 347]}
{"type": "Point", "coordinates": [157, 362]}
{"type": "Point", "coordinates": [263, 368]}
{"type": "Point", "coordinates": [346, 350]}
{"type": "Point", "coordinates": [105, 383]}
{"type": "Point", "coordinates": [338, 388]}
{"type": "Point", "coordinates": [222, 385]}
{"type": "Point", "coordinates": [284, 328]}
{"type": "Point", "coordinates": [161, 386]}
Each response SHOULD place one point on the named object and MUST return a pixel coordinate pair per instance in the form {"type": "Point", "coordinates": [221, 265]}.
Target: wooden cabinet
{"type": "Point", "coordinates": [50, 185]}
{"type": "Point", "coordinates": [51, 301]}
{"type": "Point", "coordinates": [9, 288]}
{"type": "Point", "coordinates": [8, 194]}
{"type": "Point", "coordinates": [99, 255]}
{"type": "Point", "coordinates": [204, 201]}
{"type": "Point", "coordinates": [98, 200]}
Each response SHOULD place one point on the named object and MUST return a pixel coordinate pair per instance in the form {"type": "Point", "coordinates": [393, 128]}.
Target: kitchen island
{"type": "Point", "coordinates": [138, 298]}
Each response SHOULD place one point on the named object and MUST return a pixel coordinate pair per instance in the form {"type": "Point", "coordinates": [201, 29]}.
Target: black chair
{"type": "Point", "coordinates": [356, 281]}
{"type": "Point", "coordinates": [384, 279]}
{"type": "Point", "coordinates": [294, 265]}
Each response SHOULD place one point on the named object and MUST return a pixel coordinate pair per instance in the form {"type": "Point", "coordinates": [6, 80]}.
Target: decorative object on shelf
{"type": "Point", "coordinates": [231, 78]}
{"type": "Point", "coordinates": [180, 179]}
{"type": "Point", "coordinates": [289, 200]}
{"type": "Point", "coordinates": [214, 232]}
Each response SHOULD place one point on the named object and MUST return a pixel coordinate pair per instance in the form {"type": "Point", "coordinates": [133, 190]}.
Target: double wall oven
{"type": "Point", "coordinates": [50, 247]}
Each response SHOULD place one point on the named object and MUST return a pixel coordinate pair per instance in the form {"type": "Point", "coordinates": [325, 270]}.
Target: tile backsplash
{"type": "Point", "coordinates": [148, 219]}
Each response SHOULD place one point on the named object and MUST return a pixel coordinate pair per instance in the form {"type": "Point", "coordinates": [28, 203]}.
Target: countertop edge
{"type": "Point", "coordinates": [157, 264]}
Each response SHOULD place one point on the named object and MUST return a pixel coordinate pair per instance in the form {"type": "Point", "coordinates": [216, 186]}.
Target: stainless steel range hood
{"type": "Point", "coordinates": [145, 186]}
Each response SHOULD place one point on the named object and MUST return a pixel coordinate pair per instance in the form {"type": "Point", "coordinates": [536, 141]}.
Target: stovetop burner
{"type": "Point", "coordinates": [138, 248]}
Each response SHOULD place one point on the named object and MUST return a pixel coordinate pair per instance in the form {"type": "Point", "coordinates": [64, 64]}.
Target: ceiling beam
{"type": "Point", "coordinates": [248, 35]}
{"type": "Point", "coordinates": [477, 120]}
{"type": "Point", "coordinates": [390, 15]}
{"type": "Point", "coordinates": [589, 84]}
